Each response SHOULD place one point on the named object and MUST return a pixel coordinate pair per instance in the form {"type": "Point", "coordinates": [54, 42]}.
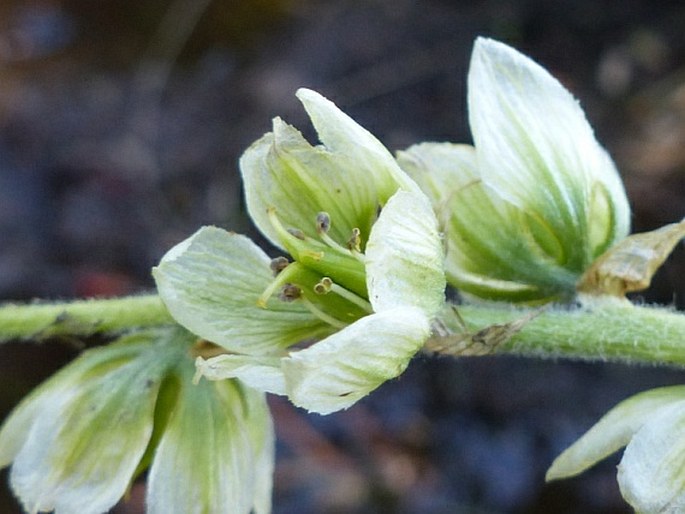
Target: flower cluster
{"type": "Point", "coordinates": [533, 212]}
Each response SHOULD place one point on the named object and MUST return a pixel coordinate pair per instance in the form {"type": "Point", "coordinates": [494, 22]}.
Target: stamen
{"type": "Point", "coordinates": [278, 264]}
{"type": "Point", "coordinates": [289, 293]}
{"type": "Point", "coordinates": [327, 318]}
{"type": "Point", "coordinates": [323, 222]}
{"type": "Point", "coordinates": [327, 239]}
{"type": "Point", "coordinates": [351, 297]}
{"type": "Point", "coordinates": [354, 243]}
{"type": "Point", "coordinates": [281, 279]}
{"type": "Point", "coordinates": [324, 286]}
{"type": "Point", "coordinates": [280, 229]}
{"type": "Point", "coordinates": [296, 232]}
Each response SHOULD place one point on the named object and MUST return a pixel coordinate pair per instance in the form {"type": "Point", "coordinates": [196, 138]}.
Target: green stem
{"type": "Point", "coordinates": [603, 329]}
{"type": "Point", "coordinates": [39, 321]}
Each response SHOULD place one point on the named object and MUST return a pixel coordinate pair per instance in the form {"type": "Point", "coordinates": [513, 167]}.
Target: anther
{"type": "Point", "coordinates": [355, 241]}
{"type": "Point", "coordinates": [278, 264]}
{"type": "Point", "coordinates": [323, 222]}
{"type": "Point", "coordinates": [296, 233]}
{"type": "Point", "coordinates": [289, 293]}
{"type": "Point", "coordinates": [324, 286]}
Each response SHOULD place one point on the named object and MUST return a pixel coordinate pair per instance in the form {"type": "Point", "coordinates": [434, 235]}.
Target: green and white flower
{"type": "Point", "coordinates": [366, 277]}
{"type": "Point", "coordinates": [528, 208]}
{"type": "Point", "coordinates": [651, 426]}
{"type": "Point", "coordinates": [77, 442]}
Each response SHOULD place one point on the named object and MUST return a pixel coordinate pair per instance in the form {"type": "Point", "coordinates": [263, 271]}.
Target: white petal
{"type": "Point", "coordinates": [283, 171]}
{"type": "Point", "coordinates": [537, 150]}
{"type": "Point", "coordinates": [348, 177]}
{"type": "Point", "coordinates": [211, 283]}
{"type": "Point", "coordinates": [650, 474]}
{"type": "Point", "coordinates": [440, 169]}
{"type": "Point", "coordinates": [92, 425]}
{"type": "Point", "coordinates": [491, 251]}
{"type": "Point", "coordinates": [405, 257]}
{"type": "Point", "coordinates": [613, 431]}
{"type": "Point", "coordinates": [344, 136]}
{"type": "Point", "coordinates": [335, 373]}
{"type": "Point", "coordinates": [263, 374]}
{"type": "Point", "coordinates": [216, 454]}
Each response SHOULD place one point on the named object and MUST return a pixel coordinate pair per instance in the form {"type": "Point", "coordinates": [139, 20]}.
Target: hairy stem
{"type": "Point", "coordinates": [604, 329]}
{"type": "Point", "coordinates": [39, 321]}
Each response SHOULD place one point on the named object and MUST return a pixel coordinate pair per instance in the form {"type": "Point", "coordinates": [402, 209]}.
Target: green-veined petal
{"type": "Point", "coordinates": [86, 429]}
{"type": "Point", "coordinates": [537, 151]}
{"type": "Point", "coordinates": [335, 373]}
{"type": "Point", "coordinates": [405, 256]}
{"type": "Point", "coordinates": [348, 177]}
{"type": "Point", "coordinates": [211, 283]}
{"type": "Point", "coordinates": [613, 431]}
{"type": "Point", "coordinates": [216, 454]}
{"type": "Point", "coordinates": [491, 249]}
{"type": "Point", "coordinates": [284, 172]}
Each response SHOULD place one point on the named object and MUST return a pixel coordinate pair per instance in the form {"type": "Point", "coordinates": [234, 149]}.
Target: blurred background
{"type": "Point", "coordinates": [120, 128]}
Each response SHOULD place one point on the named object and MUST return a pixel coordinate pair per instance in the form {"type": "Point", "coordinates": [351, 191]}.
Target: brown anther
{"type": "Point", "coordinates": [323, 222]}
{"type": "Point", "coordinates": [324, 286]}
{"type": "Point", "coordinates": [289, 293]}
{"type": "Point", "coordinates": [355, 241]}
{"type": "Point", "coordinates": [296, 233]}
{"type": "Point", "coordinates": [278, 264]}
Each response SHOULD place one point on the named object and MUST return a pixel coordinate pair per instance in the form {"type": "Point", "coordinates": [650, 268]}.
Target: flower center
{"type": "Point", "coordinates": [326, 276]}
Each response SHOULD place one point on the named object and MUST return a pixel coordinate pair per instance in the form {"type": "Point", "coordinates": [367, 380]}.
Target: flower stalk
{"type": "Point", "coordinates": [603, 329]}
{"type": "Point", "coordinates": [83, 318]}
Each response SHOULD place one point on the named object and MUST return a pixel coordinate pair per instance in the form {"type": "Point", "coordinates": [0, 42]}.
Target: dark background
{"type": "Point", "coordinates": [120, 126]}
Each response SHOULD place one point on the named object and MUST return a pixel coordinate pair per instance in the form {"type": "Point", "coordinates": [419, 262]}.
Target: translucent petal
{"type": "Point", "coordinates": [216, 453]}
{"type": "Point", "coordinates": [650, 474]}
{"type": "Point", "coordinates": [90, 425]}
{"type": "Point", "coordinates": [405, 257]}
{"type": "Point", "coordinates": [537, 151]}
{"type": "Point", "coordinates": [336, 372]}
{"type": "Point", "coordinates": [211, 283]}
{"type": "Point", "coordinates": [263, 374]}
{"type": "Point", "coordinates": [491, 250]}
{"type": "Point", "coordinates": [440, 170]}
{"type": "Point", "coordinates": [613, 431]}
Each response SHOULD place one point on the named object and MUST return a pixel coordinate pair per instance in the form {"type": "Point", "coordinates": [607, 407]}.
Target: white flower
{"type": "Point", "coordinates": [77, 442]}
{"type": "Point", "coordinates": [536, 200]}
{"type": "Point", "coordinates": [651, 425]}
{"type": "Point", "coordinates": [356, 302]}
